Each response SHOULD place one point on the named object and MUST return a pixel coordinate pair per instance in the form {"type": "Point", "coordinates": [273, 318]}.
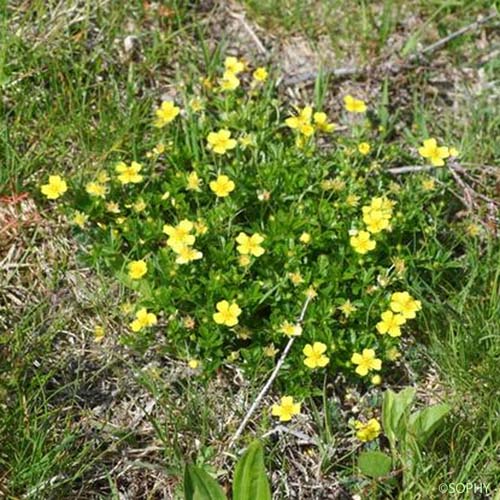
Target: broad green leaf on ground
{"type": "Point", "coordinates": [250, 480]}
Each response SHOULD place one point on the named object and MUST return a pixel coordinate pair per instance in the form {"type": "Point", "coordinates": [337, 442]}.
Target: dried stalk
{"type": "Point", "coordinates": [271, 378]}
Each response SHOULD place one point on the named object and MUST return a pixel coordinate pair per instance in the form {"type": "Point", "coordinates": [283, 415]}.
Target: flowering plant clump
{"type": "Point", "coordinates": [230, 213]}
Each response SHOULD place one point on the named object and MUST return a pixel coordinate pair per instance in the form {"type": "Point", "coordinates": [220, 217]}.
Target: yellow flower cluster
{"type": "Point", "coordinates": [436, 154]}
{"type": "Point", "coordinates": [143, 319]}
{"type": "Point", "coordinates": [402, 307]}
{"type": "Point", "coordinates": [232, 68]}
{"type": "Point", "coordinates": [306, 123]}
{"type": "Point", "coordinates": [376, 216]}
{"type": "Point", "coordinates": [368, 431]}
{"type": "Point", "coordinates": [180, 241]}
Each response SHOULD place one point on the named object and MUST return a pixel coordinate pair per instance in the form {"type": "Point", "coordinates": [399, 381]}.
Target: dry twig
{"type": "Point", "coordinates": [271, 378]}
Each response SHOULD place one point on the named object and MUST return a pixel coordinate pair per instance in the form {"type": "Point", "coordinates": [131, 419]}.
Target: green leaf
{"type": "Point", "coordinates": [198, 485]}
{"type": "Point", "coordinates": [424, 422]}
{"type": "Point", "coordinates": [394, 410]}
{"type": "Point", "coordinates": [374, 464]}
{"type": "Point", "coordinates": [250, 480]}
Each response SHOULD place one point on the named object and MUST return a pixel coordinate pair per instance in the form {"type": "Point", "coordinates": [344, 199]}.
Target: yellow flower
{"type": "Point", "coordinates": [290, 329]}
{"type": "Point", "coordinates": [233, 356]}
{"type": "Point", "coordinates": [139, 205]}
{"type": "Point", "coordinates": [220, 142]}
{"type": "Point", "coordinates": [159, 149]}
{"type": "Point", "coordinates": [260, 74]}
{"type": "Point", "coordinates": [143, 319]}
{"type": "Point", "coordinates": [250, 245]}
{"type": "Point", "coordinates": [222, 186]}
{"type": "Point", "coordinates": [196, 105]}
{"type": "Point", "coordinates": [369, 431]}
{"type": "Point", "coordinates": [286, 409]}
{"type": "Point", "coordinates": [311, 292]}
{"type": "Point", "coordinates": [300, 141]}
{"type": "Point", "coordinates": [430, 150]}
{"type": "Point", "coordinates": [187, 254]}
{"type": "Point", "coordinates": [193, 364]}
{"type": "Point", "coordinates": [354, 105]}
{"type": "Point", "coordinates": [473, 230]}
{"type": "Point", "coordinates": [376, 221]}
{"type": "Point", "coordinates": [102, 177]}
{"type": "Point", "coordinates": [366, 361]}
{"type": "Point", "coordinates": [229, 81]}
{"type": "Point", "coordinates": [98, 333]}
{"type": "Point", "coordinates": [206, 82]}
{"type": "Point", "coordinates": [381, 205]}
{"type": "Point", "coordinates": [347, 308]}
{"type": "Point", "coordinates": [129, 174]}
{"type": "Point", "coordinates": [352, 200]}
{"type": "Point", "coordinates": [399, 265]}
{"type": "Point", "coordinates": [362, 242]}
{"type": "Point", "coordinates": [137, 269]}
{"type": "Point", "coordinates": [270, 351]}
{"type": "Point", "coordinates": [376, 380]}
{"type": "Point", "coordinates": [296, 278]}
{"type": "Point", "coordinates": [364, 148]}
{"type": "Point", "coordinates": [244, 260]}
{"type": "Point", "coordinates": [247, 140]}
{"type": "Point", "coordinates": [96, 189]}
{"type": "Point", "coordinates": [315, 357]}
{"type": "Point", "coordinates": [302, 122]}
{"type": "Point", "coordinates": [428, 184]}
{"type": "Point", "coordinates": [126, 308]}
{"type": "Point", "coordinates": [454, 152]}
{"type": "Point", "coordinates": [227, 313]}
{"type": "Point", "coordinates": [404, 303]}
{"type": "Point", "coordinates": [55, 188]}
{"type": "Point", "coordinates": [179, 235]}
{"type": "Point", "coordinates": [165, 114]}
{"type": "Point", "coordinates": [234, 65]}
{"type": "Point", "coordinates": [113, 207]}
{"type": "Point", "coordinates": [305, 238]}
{"type": "Point", "coordinates": [80, 219]}
{"type": "Point", "coordinates": [193, 182]}
{"type": "Point", "coordinates": [321, 122]}
{"type": "Point", "coordinates": [392, 354]}
{"type": "Point", "coordinates": [391, 323]}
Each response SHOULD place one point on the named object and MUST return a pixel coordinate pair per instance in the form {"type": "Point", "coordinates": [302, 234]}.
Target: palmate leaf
{"type": "Point", "coordinates": [250, 480]}
{"type": "Point", "coordinates": [198, 485]}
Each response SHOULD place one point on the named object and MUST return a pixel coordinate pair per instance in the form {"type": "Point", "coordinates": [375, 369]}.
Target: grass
{"type": "Point", "coordinates": [70, 408]}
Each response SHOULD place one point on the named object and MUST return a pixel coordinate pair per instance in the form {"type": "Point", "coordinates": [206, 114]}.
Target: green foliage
{"type": "Point", "coordinates": [198, 485]}
{"type": "Point", "coordinates": [395, 411]}
{"type": "Point", "coordinates": [374, 464]}
{"type": "Point", "coordinates": [309, 203]}
{"type": "Point", "coordinates": [250, 480]}
{"type": "Point", "coordinates": [404, 428]}
{"type": "Point", "coordinates": [423, 423]}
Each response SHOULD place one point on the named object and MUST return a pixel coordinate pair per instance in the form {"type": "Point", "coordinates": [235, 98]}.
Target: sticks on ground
{"type": "Point", "coordinates": [391, 67]}
{"type": "Point", "coordinates": [271, 378]}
